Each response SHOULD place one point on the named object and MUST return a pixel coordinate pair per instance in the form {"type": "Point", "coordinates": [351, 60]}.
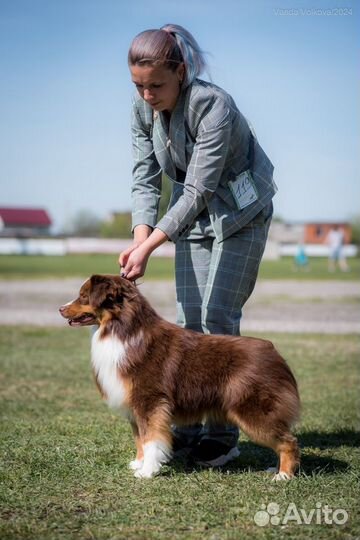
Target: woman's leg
{"type": "Point", "coordinates": [213, 282]}
{"type": "Point", "coordinates": [233, 271]}
{"type": "Point", "coordinates": [232, 275]}
{"type": "Point", "coordinates": [192, 263]}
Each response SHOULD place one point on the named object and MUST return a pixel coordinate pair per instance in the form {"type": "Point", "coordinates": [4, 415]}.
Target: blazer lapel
{"type": "Point", "coordinates": [169, 140]}
{"type": "Point", "coordinates": [177, 133]}
{"type": "Point", "coordinates": [161, 145]}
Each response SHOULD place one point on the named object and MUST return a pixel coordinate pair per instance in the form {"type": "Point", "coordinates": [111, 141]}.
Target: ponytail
{"type": "Point", "coordinates": [169, 46]}
{"type": "Point", "coordinates": [193, 56]}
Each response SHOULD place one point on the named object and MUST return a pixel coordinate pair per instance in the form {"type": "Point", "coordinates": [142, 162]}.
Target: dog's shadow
{"type": "Point", "coordinates": [254, 458]}
{"type": "Point", "coordinates": [335, 439]}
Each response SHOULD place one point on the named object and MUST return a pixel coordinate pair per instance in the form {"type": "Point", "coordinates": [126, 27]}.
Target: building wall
{"type": "Point", "coordinates": [316, 233]}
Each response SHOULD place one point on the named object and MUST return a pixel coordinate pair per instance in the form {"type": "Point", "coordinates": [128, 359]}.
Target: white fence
{"type": "Point", "coordinates": [64, 246]}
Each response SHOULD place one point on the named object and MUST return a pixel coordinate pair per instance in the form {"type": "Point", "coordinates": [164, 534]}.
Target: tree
{"type": "Point", "coordinates": [119, 226]}
{"type": "Point", "coordinates": [84, 223]}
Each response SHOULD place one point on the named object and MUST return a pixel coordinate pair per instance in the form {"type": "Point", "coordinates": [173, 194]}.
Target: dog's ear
{"type": "Point", "coordinates": [103, 291]}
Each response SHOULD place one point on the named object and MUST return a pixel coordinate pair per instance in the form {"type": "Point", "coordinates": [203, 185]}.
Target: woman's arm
{"type": "Point", "coordinates": [146, 186]}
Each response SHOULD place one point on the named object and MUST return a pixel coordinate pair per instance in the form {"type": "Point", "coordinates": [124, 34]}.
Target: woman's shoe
{"type": "Point", "coordinates": [212, 453]}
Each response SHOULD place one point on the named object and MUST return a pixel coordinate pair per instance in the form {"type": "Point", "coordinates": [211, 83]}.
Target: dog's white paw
{"type": "Point", "coordinates": [136, 464]}
{"type": "Point", "coordinates": [280, 476]}
{"type": "Point", "coordinates": [145, 473]}
{"type": "Point", "coordinates": [156, 453]}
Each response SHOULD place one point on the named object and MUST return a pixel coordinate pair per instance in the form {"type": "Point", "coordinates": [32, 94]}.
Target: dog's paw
{"type": "Point", "coordinates": [144, 473]}
{"type": "Point", "coordinates": [280, 476]}
{"type": "Point", "coordinates": [136, 464]}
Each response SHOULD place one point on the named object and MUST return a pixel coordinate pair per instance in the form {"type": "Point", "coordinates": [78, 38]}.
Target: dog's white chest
{"type": "Point", "coordinates": [106, 356]}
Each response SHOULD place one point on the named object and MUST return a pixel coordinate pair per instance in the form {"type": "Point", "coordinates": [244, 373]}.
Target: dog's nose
{"type": "Point", "coordinates": [62, 309]}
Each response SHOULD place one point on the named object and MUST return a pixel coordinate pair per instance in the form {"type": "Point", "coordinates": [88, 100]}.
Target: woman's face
{"type": "Point", "coordinates": [158, 85]}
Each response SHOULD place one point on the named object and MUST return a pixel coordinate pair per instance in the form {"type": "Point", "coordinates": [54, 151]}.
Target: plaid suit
{"type": "Point", "coordinates": [207, 143]}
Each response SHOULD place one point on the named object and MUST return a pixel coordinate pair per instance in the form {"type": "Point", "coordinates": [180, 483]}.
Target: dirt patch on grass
{"type": "Point", "coordinates": [275, 306]}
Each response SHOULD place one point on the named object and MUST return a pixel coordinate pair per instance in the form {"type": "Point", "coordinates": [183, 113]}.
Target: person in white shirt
{"type": "Point", "coordinates": [335, 241]}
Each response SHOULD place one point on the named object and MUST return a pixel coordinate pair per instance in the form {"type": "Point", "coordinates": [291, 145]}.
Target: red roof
{"type": "Point", "coordinates": [25, 216]}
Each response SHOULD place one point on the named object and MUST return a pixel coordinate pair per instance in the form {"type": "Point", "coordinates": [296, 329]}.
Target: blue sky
{"type": "Point", "coordinates": [65, 94]}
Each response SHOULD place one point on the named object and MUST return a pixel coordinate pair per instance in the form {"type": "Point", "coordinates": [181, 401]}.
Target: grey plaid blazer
{"type": "Point", "coordinates": [207, 143]}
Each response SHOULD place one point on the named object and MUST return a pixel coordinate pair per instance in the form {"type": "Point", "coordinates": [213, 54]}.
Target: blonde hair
{"type": "Point", "coordinates": [169, 46]}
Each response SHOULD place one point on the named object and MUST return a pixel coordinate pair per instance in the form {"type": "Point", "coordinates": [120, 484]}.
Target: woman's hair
{"type": "Point", "coordinates": [169, 46]}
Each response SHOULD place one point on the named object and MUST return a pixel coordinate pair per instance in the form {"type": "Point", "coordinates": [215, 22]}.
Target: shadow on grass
{"type": "Point", "coordinates": [254, 458]}
{"type": "Point", "coordinates": [312, 464]}
{"type": "Point", "coordinates": [323, 440]}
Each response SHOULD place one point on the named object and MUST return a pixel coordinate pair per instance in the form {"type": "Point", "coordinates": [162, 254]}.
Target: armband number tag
{"type": "Point", "coordinates": [243, 189]}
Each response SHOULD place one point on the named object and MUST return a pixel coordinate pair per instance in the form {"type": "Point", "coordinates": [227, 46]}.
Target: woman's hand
{"type": "Point", "coordinates": [133, 260]}
{"type": "Point", "coordinates": [141, 233]}
{"type": "Point", "coordinates": [124, 255]}
{"type": "Point", "coordinates": [136, 262]}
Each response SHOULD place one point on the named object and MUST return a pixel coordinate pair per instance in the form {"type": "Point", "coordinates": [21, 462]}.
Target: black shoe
{"type": "Point", "coordinates": [212, 453]}
{"type": "Point", "coordinates": [180, 449]}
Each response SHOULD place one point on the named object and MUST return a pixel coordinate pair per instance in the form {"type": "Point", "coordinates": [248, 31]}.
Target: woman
{"type": "Point", "coordinates": [220, 209]}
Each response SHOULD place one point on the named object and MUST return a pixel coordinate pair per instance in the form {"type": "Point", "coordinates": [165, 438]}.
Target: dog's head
{"type": "Point", "coordinates": [100, 297]}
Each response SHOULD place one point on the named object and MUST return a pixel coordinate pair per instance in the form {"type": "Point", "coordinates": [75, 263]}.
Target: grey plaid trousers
{"type": "Point", "coordinates": [213, 282]}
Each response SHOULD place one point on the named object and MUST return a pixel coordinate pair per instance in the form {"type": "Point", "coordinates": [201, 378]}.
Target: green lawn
{"type": "Point", "coordinates": [64, 454]}
{"type": "Point", "coordinates": [28, 266]}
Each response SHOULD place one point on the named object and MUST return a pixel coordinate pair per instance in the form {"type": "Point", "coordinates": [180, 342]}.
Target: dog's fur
{"type": "Point", "coordinates": [160, 374]}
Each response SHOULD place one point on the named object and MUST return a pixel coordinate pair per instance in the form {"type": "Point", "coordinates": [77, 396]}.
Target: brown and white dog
{"type": "Point", "coordinates": [160, 374]}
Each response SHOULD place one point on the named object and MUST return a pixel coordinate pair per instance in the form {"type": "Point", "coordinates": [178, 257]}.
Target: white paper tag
{"type": "Point", "coordinates": [243, 189]}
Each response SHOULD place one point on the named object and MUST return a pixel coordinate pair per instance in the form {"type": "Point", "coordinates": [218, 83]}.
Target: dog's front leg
{"type": "Point", "coordinates": [156, 453]}
{"type": "Point", "coordinates": [156, 435]}
{"type": "Point", "coordinates": [137, 463]}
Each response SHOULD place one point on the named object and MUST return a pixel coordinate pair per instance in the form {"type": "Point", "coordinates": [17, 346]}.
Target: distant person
{"type": "Point", "coordinates": [301, 260]}
{"type": "Point", "coordinates": [335, 241]}
{"type": "Point", "coordinates": [221, 204]}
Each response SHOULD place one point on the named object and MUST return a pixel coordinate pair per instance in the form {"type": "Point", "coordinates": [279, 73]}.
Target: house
{"type": "Point", "coordinates": [316, 233]}
{"type": "Point", "coordinates": [311, 233]}
{"type": "Point", "coordinates": [24, 222]}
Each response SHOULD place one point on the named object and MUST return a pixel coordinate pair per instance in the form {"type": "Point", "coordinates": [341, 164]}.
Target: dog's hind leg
{"type": "Point", "coordinates": [287, 449]}
{"type": "Point", "coordinates": [277, 437]}
{"type": "Point", "coordinates": [156, 436]}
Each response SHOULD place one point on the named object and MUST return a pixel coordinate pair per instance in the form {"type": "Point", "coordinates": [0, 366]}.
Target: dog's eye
{"type": "Point", "coordinates": [83, 299]}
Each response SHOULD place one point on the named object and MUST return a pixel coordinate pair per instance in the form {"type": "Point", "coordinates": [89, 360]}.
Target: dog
{"type": "Point", "coordinates": [159, 374]}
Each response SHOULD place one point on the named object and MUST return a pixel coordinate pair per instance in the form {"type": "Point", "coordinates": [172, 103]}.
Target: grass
{"type": "Point", "coordinates": [64, 454]}
{"type": "Point", "coordinates": [39, 267]}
